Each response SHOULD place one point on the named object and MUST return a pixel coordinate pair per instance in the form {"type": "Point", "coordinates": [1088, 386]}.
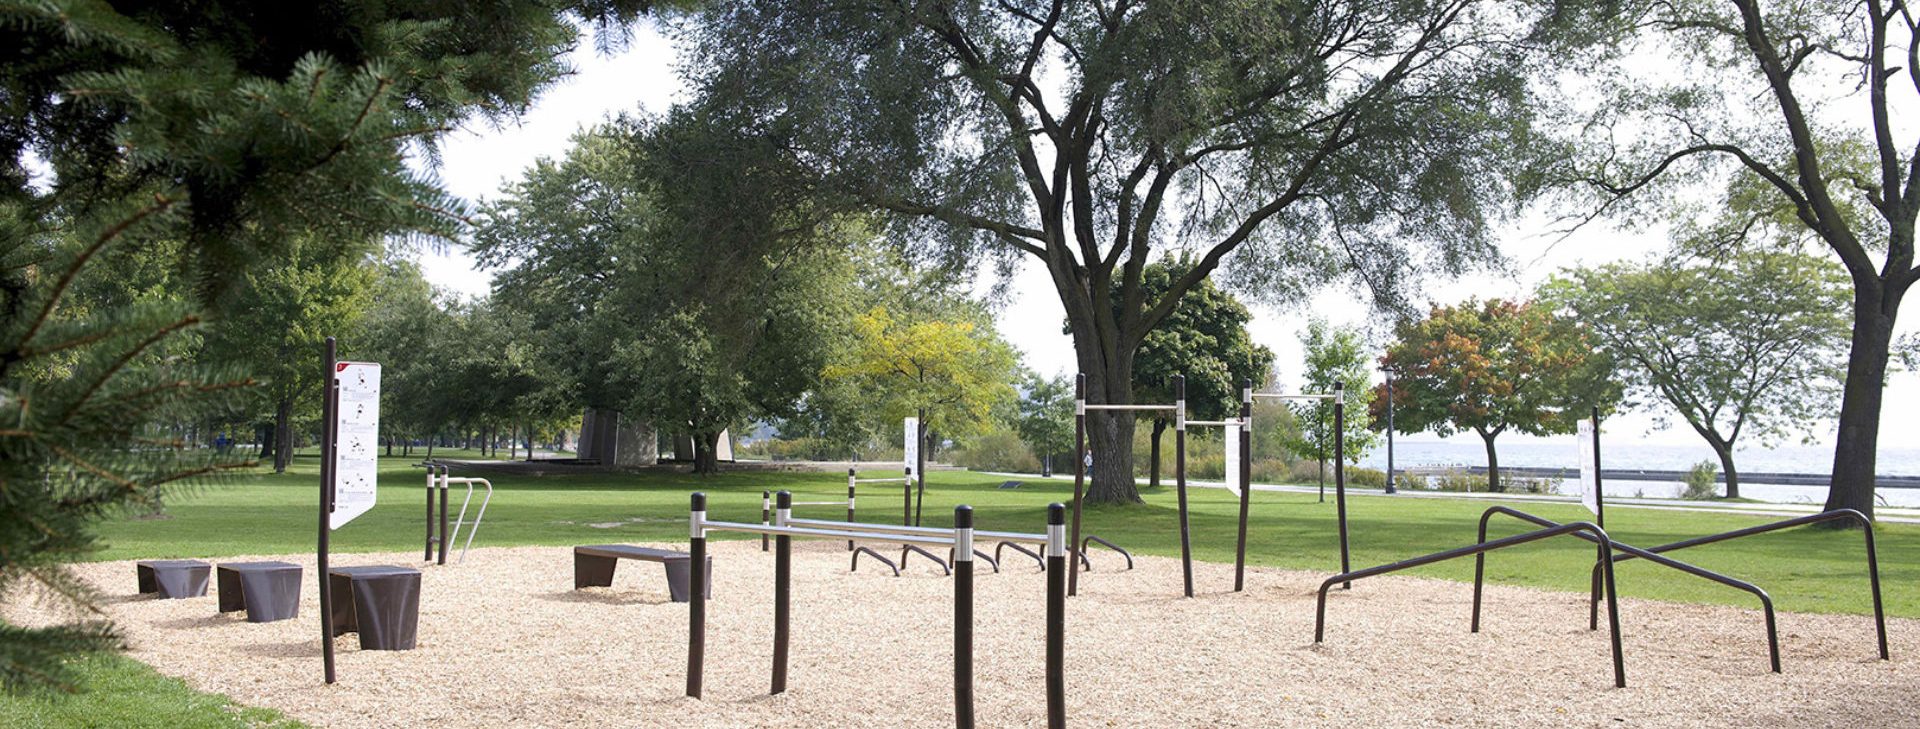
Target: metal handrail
{"type": "Point", "coordinates": [903, 529]}
{"type": "Point", "coordinates": [1604, 543]}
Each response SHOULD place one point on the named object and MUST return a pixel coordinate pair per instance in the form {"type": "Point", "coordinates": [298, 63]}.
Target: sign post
{"type": "Point", "coordinates": [349, 465]}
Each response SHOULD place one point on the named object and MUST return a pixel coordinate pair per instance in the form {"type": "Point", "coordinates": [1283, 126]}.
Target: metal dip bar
{"type": "Point", "coordinates": [960, 539]}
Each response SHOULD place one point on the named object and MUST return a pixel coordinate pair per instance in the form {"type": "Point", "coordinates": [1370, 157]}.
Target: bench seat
{"type": "Point", "coordinates": [593, 566]}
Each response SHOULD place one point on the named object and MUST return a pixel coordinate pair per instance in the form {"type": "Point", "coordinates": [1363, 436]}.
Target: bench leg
{"type": "Point", "coordinates": [232, 596]}
{"type": "Point", "coordinates": [345, 618]}
{"type": "Point", "coordinates": [678, 576]}
{"type": "Point", "coordinates": [146, 579]}
{"type": "Point", "coordinates": [593, 571]}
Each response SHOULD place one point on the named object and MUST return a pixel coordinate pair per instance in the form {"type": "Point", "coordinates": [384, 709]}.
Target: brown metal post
{"type": "Point", "coordinates": [1081, 462]}
{"type": "Point", "coordinates": [782, 590]}
{"type": "Point", "coordinates": [963, 616]}
{"type": "Point", "coordinates": [920, 468]}
{"type": "Point", "coordinates": [850, 489]}
{"type": "Point", "coordinates": [445, 473]}
{"type": "Point", "coordinates": [1246, 483]}
{"type": "Point", "coordinates": [1340, 473]}
{"type": "Point", "coordinates": [766, 515]}
{"type": "Point", "coordinates": [697, 595]}
{"type": "Point", "coordinates": [327, 405]}
{"type": "Point", "coordinates": [1599, 492]}
{"type": "Point", "coordinates": [431, 482]}
{"type": "Point", "coordinates": [1056, 617]}
{"type": "Point", "coordinates": [1180, 477]}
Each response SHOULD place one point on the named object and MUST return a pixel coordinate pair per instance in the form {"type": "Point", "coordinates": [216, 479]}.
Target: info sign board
{"type": "Point", "coordinates": [1233, 459]}
{"type": "Point", "coordinates": [1589, 471]}
{"type": "Point", "coordinates": [911, 444]}
{"type": "Point", "coordinates": [356, 416]}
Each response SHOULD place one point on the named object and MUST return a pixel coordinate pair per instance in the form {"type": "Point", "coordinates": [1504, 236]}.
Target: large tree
{"type": "Point", "coordinates": [1492, 367]}
{"type": "Point", "coordinates": [1801, 104]}
{"type": "Point", "coordinates": [223, 130]}
{"type": "Point", "coordinates": [1203, 339]}
{"type": "Point", "coordinates": [1750, 346]}
{"type": "Point", "coordinates": [1308, 140]}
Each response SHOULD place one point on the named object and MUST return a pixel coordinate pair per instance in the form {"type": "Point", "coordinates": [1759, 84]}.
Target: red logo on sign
{"type": "Point", "coordinates": [340, 367]}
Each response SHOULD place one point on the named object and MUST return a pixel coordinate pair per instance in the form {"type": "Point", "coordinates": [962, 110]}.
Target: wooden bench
{"type": "Point", "coordinates": [593, 566]}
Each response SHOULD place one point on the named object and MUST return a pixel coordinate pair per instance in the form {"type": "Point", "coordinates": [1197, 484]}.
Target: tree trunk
{"type": "Point", "coordinates": [706, 450]}
{"type": "Point", "coordinates": [282, 435]}
{"type": "Point", "coordinates": [1854, 451]}
{"type": "Point", "coordinates": [1153, 461]}
{"type": "Point", "coordinates": [1725, 451]}
{"type": "Point", "coordinates": [1493, 464]}
{"type": "Point", "coordinates": [1109, 432]}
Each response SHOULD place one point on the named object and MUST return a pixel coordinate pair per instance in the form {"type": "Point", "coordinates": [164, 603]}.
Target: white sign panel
{"type": "Point", "coordinates": [356, 452]}
{"type": "Point", "coordinates": [1589, 475]}
{"type": "Point", "coordinates": [911, 444]}
{"type": "Point", "coordinates": [1233, 459]}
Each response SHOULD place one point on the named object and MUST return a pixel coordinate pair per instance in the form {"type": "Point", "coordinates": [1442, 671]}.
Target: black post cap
{"type": "Point", "coordinates": [1179, 387]}
{"type": "Point", "coordinates": [699, 501]}
{"type": "Point", "coordinates": [963, 517]}
{"type": "Point", "coordinates": [849, 473]}
{"type": "Point", "coordinates": [783, 500]}
{"type": "Point", "coordinates": [1056, 514]}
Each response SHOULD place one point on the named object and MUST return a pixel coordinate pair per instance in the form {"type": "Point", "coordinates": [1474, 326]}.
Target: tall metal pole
{"type": "Point", "coordinates": [1390, 484]}
{"type": "Point", "coordinates": [697, 594]}
{"type": "Point", "coordinates": [1599, 492]}
{"type": "Point", "coordinates": [327, 406]}
{"type": "Point", "coordinates": [963, 616]}
{"type": "Point", "coordinates": [782, 589]}
{"type": "Point", "coordinates": [1340, 472]}
{"type": "Point", "coordinates": [1246, 482]}
{"type": "Point", "coordinates": [1057, 616]}
{"type": "Point", "coordinates": [921, 466]}
{"type": "Point", "coordinates": [1180, 477]}
{"type": "Point", "coordinates": [1082, 461]}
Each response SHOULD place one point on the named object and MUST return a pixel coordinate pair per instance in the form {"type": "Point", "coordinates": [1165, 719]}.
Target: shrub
{"type": "Point", "coordinates": [1366, 477]}
{"type": "Point", "coordinates": [1700, 482]}
{"type": "Point", "coordinates": [996, 450]}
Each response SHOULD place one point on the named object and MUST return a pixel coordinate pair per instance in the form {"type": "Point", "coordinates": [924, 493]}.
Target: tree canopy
{"type": "Point", "coordinates": [1489, 367]}
{"type": "Point", "coordinates": [1317, 142]}
{"type": "Point", "coordinates": [1333, 355]}
{"type": "Point", "coordinates": [1746, 347]}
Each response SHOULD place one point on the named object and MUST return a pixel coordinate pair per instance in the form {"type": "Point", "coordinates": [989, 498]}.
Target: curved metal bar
{"type": "Point", "coordinates": [1603, 542]}
{"type": "Point", "coordinates": [1766, 601]}
{"type": "Point", "coordinates": [1108, 545]}
{"type": "Point", "coordinates": [1873, 558]}
{"type": "Point", "coordinates": [984, 557]}
{"type": "Point", "coordinates": [1023, 550]}
{"type": "Point", "coordinates": [876, 555]}
{"type": "Point", "coordinates": [907, 549]}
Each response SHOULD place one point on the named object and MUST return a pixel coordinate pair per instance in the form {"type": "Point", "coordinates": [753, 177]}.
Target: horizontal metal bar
{"type": "Point", "coordinates": [1217, 422]}
{"type": "Point", "coordinates": [734, 526]}
{"type": "Point", "coordinates": [841, 502]}
{"type": "Point", "coordinates": [1132, 407]}
{"type": "Point", "coordinates": [881, 480]}
{"type": "Point", "coordinates": [896, 528]}
{"type": "Point", "coordinates": [1278, 396]}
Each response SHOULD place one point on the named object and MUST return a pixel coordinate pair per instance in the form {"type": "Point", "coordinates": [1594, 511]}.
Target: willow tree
{"type": "Point", "coordinates": [1310, 142]}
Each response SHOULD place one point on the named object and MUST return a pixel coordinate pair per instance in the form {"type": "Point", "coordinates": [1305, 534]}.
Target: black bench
{"type": "Point", "coordinates": [593, 566]}
{"type": "Point", "coordinates": [268, 591]}
{"type": "Point", "coordinates": [381, 603]}
{"type": "Point", "coordinates": [174, 579]}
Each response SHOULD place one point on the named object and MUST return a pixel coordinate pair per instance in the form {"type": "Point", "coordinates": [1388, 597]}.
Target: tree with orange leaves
{"type": "Point", "coordinates": [1492, 367]}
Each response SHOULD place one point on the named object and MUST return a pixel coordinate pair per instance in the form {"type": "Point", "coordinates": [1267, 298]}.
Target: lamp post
{"type": "Point", "coordinates": [1389, 371]}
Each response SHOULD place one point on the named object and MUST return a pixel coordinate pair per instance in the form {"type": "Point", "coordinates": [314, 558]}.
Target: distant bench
{"type": "Point", "coordinates": [593, 566]}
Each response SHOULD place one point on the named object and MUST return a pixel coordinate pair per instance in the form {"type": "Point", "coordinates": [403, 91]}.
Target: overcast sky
{"type": "Point", "coordinates": [478, 160]}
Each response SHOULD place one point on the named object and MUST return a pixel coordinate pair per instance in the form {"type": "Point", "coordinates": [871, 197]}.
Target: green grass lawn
{"type": "Point", "coordinates": [1814, 570]}
{"type": "Point", "coordinates": [122, 693]}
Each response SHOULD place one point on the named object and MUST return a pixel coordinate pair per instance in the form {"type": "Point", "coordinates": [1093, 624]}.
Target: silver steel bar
{"type": "Point", "coordinates": [1223, 423]}
{"type": "Point", "coordinates": [1278, 396]}
{"type": "Point", "coordinates": [864, 527]}
{"type": "Point", "coordinates": [732, 526]}
{"type": "Point", "coordinates": [1091, 406]}
{"type": "Point", "coordinates": [881, 480]}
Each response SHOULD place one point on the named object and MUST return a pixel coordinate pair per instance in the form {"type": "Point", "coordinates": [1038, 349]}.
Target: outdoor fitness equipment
{"type": "Point", "coordinates": [1240, 438]}
{"type": "Point", "coordinates": [1592, 494]}
{"type": "Point", "coordinates": [444, 481]}
{"type": "Point", "coordinates": [960, 539]}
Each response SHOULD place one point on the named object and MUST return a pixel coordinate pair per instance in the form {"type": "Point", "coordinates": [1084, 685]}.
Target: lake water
{"type": "Point", "coordinates": [1665, 457]}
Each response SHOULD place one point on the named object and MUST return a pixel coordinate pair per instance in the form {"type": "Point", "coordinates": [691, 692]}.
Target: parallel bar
{"type": "Point", "coordinates": [1766, 602]}
{"type": "Point", "coordinates": [895, 528]}
{"type": "Point", "coordinates": [734, 526]}
{"type": "Point", "coordinates": [1340, 473]}
{"type": "Point", "coordinates": [1169, 408]}
{"type": "Point", "coordinates": [1278, 396]}
{"type": "Point", "coordinates": [1605, 543]}
{"type": "Point", "coordinates": [1223, 423]}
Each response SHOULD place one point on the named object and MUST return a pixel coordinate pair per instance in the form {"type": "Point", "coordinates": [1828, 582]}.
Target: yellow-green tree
{"type": "Point", "coordinates": [948, 368]}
